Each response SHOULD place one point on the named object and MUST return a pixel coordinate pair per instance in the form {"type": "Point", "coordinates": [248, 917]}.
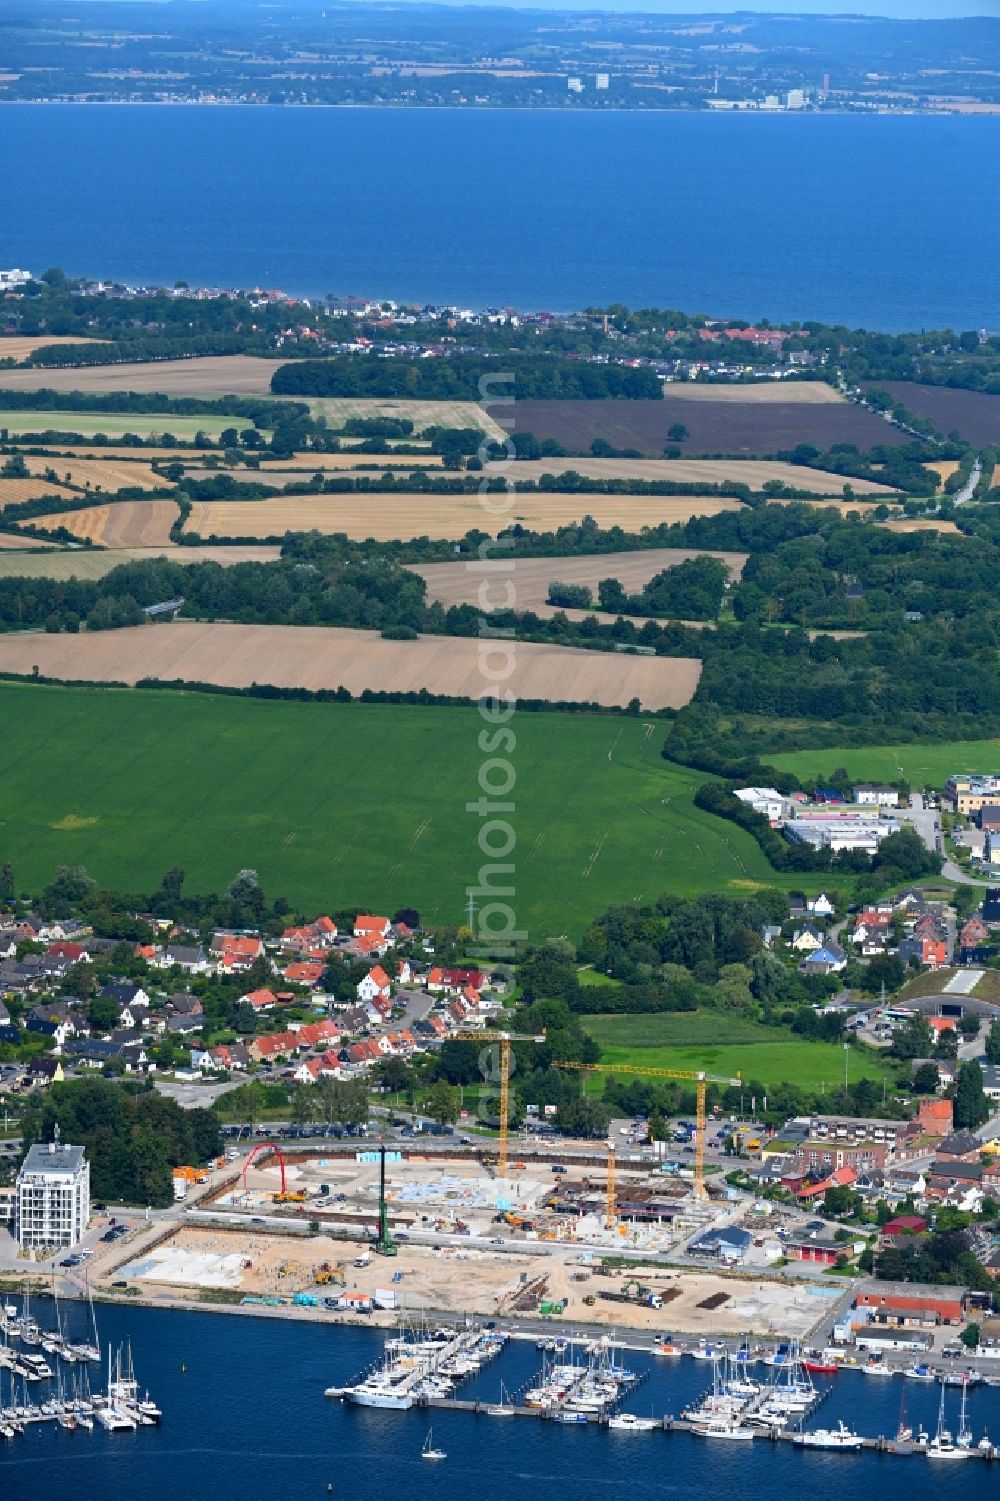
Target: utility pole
{"type": "Point", "coordinates": [847, 1054]}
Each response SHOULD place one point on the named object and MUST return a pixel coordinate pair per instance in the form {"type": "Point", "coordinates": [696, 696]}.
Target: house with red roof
{"type": "Point", "coordinates": [316, 1034]}
{"type": "Point", "coordinates": [841, 1177]}
{"type": "Point", "coordinates": [318, 935]}
{"type": "Point", "coordinates": [365, 926]}
{"type": "Point", "coordinates": [259, 1000]}
{"type": "Point", "coordinates": [370, 946]}
{"type": "Point", "coordinates": [72, 953]}
{"type": "Point", "coordinates": [375, 983]}
{"type": "Point", "coordinates": [235, 951]}
{"type": "Point", "coordinates": [275, 1045]}
{"type": "Point", "coordinates": [454, 981]}
{"type": "Point", "coordinates": [305, 972]}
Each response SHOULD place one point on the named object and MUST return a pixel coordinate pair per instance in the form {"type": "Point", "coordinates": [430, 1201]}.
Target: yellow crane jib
{"type": "Point", "coordinates": [700, 1079]}
{"type": "Point", "coordinates": [504, 1039]}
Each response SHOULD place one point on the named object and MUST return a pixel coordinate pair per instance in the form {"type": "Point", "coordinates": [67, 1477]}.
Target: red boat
{"type": "Point", "coordinates": [820, 1367]}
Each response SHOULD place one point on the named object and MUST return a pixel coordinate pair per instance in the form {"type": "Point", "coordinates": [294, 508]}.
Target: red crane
{"type": "Point", "coordinates": [265, 1146]}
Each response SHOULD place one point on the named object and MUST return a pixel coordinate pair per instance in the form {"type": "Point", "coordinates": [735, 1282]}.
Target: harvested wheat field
{"type": "Point", "coordinates": [20, 346]}
{"type": "Point", "coordinates": [827, 503]}
{"type": "Point", "coordinates": [9, 542]}
{"type": "Point", "coordinates": [943, 468]}
{"type": "Point", "coordinates": [921, 524]}
{"type": "Point", "coordinates": [208, 375]}
{"type": "Point", "coordinates": [386, 516]}
{"type": "Point", "coordinates": [108, 453]}
{"type": "Point", "coordinates": [97, 474]}
{"type": "Point", "coordinates": [14, 490]}
{"type": "Point", "coordinates": [129, 523]}
{"type": "Point", "coordinates": [460, 583]}
{"type": "Point", "coordinates": [314, 657]}
{"type": "Point", "coordinates": [348, 459]}
{"type": "Point", "coordinates": [753, 472]}
{"type": "Point", "coordinates": [337, 410]}
{"type": "Point", "coordinates": [811, 392]}
{"type": "Point", "coordinates": [94, 563]}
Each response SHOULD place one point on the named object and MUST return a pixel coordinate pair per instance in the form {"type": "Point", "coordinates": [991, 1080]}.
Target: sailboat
{"type": "Point", "coordinates": [942, 1445]}
{"type": "Point", "coordinates": [429, 1451]}
{"type": "Point", "coordinates": [502, 1409]}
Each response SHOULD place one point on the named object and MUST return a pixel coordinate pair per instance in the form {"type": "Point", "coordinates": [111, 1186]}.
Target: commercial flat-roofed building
{"type": "Point", "coordinates": [969, 792]}
{"type": "Point", "coordinates": [907, 1303]}
{"type": "Point", "coordinates": [53, 1195]}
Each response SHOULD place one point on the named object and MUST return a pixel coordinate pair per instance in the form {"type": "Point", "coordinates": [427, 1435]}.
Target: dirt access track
{"type": "Point", "coordinates": [315, 657]}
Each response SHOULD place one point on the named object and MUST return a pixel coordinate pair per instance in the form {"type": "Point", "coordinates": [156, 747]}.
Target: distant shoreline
{"type": "Point", "coordinates": [974, 112]}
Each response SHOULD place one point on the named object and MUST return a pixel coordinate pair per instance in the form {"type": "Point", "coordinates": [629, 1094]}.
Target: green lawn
{"type": "Point", "coordinates": [726, 1045]}
{"type": "Point", "coordinates": [921, 765]}
{"type": "Point", "coordinates": [336, 804]}
{"type": "Point", "coordinates": [116, 424]}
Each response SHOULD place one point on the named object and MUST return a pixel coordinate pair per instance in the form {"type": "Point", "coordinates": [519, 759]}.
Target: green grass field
{"type": "Point", "coordinates": [355, 803]}
{"type": "Point", "coordinates": [116, 424]}
{"type": "Point", "coordinates": [726, 1045]}
{"type": "Point", "coordinates": [921, 765]}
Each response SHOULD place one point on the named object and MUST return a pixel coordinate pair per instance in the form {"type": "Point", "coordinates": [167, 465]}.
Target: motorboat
{"type": "Point", "coordinates": [840, 1437]}
{"type": "Point", "coordinates": [628, 1422]}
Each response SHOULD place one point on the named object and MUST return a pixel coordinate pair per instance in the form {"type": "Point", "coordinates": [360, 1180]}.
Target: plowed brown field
{"type": "Point", "coordinates": [460, 583]}
{"type": "Point", "coordinates": [312, 657]}
{"type": "Point", "coordinates": [753, 472]}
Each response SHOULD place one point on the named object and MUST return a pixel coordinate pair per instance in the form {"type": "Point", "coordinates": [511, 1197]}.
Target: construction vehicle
{"type": "Point", "coordinates": [327, 1274]}
{"type": "Point", "coordinates": [634, 1292]}
{"type": "Point", "coordinates": [504, 1039]}
{"type": "Point", "coordinates": [701, 1081]}
{"type": "Point", "coordinates": [291, 1196]}
{"type": "Point", "coordinates": [266, 1146]}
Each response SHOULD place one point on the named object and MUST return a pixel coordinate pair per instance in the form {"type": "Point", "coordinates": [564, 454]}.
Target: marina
{"type": "Point", "coordinates": [240, 1393]}
{"type": "Point", "coordinates": [59, 1389]}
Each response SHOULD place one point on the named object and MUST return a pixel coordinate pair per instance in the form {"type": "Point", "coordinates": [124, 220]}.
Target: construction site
{"type": "Point", "coordinates": [371, 1232]}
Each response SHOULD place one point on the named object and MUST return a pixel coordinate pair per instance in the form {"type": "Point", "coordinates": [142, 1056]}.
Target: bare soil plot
{"type": "Point", "coordinates": [385, 516]}
{"type": "Point", "coordinates": [995, 480]}
{"type": "Point", "coordinates": [14, 490]}
{"type": "Point", "coordinates": [974, 414]}
{"type": "Point", "coordinates": [460, 583]}
{"type": "Point", "coordinates": [94, 563]}
{"type": "Point", "coordinates": [742, 425]}
{"type": "Point", "coordinates": [97, 474]}
{"type": "Point", "coordinates": [313, 657]}
{"type": "Point", "coordinates": [129, 523]}
{"type": "Point", "coordinates": [337, 409]}
{"type": "Point", "coordinates": [753, 472]}
{"type": "Point", "coordinates": [209, 375]}
{"type": "Point", "coordinates": [20, 346]}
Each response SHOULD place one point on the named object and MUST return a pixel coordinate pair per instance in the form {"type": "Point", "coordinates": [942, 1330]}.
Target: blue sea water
{"type": "Point", "coordinates": [246, 1420]}
{"type": "Point", "coordinates": [880, 222]}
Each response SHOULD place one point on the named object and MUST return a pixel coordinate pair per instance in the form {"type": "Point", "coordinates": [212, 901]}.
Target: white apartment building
{"type": "Point", "coordinates": [53, 1195]}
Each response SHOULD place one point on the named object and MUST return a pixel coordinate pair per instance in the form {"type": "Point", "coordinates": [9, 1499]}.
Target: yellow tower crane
{"type": "Point", "coordinates": [504, 1039]}
{"type": "Point", "coordinates": [701, 1080]}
